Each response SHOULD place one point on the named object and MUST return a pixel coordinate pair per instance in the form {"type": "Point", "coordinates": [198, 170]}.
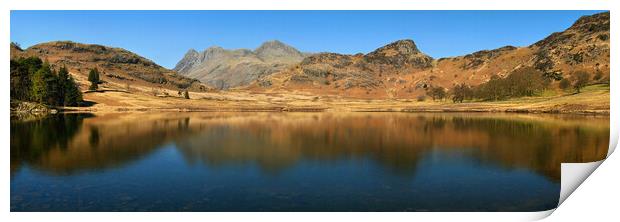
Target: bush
{"type": "Point", "coordinates": [598, 75]}
{"type": "Point", "coordinates": [564, 84]}
{"type": "Point", "coordinates": [421, 98]}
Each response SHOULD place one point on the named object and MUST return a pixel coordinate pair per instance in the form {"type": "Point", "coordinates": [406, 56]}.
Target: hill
{"type": "Point", "coordinates": [116, 65]}
{"type": "Point", "coordinates": [400, 70]}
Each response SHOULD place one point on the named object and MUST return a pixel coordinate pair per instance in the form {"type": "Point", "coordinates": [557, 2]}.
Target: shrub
{"type": "Point", "coordinates": [564, 84]}
{"type": "Point", "coordinates": [598, 75]}
{"type": "Point", "coordinates": [421, 98]}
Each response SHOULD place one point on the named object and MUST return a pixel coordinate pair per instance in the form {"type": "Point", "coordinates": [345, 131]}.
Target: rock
{"type": "Point", "coordinates": [222, 68]}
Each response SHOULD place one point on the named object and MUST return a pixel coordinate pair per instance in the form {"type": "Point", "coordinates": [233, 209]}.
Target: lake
{"type": "Point", "coordinates": [298, 161]}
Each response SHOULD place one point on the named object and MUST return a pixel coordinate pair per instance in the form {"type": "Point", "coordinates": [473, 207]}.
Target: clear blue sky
{"type": "Point", "coordinates": [165, 36]}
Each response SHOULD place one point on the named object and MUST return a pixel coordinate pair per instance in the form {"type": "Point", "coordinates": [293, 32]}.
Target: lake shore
{"type": "Point", "coordinates": [593, 100]}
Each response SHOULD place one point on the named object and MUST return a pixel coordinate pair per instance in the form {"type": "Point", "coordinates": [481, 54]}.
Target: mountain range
{"type": "Point", "coordinates": [396, 70]}
{"type": "Point", "coordinates": [222, 69]}
{"type": "Point", "coordinates": [400, 70]}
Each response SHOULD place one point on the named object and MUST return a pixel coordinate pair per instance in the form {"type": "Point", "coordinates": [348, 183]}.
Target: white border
{"type": "Point", "coordinates": [7, 5]}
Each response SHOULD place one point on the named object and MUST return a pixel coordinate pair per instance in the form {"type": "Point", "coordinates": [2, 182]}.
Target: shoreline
{"type": "Point", "coordinates": [593, 100]}
{"type": "Point", "coordinates": [341, 110]}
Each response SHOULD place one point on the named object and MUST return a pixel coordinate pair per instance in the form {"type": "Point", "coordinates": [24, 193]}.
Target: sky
{"type": "Point", "coordinates": [165, 36]}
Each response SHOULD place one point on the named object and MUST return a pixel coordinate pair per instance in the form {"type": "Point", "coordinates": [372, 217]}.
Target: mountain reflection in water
{"type": "Point", "coordinates": [306, 151]}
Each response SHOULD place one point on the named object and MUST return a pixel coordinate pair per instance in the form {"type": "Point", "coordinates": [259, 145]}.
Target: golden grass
{"type": "Point", "coordinates": [592, 100]}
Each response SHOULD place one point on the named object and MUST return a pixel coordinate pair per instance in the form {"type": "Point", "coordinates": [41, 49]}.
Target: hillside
{"type": "Point", "coordinates": [223, 68]}
{"type": "Point", "coordinates": [400, 70]}
{"type": "Point", "coordinates": [116, 65]}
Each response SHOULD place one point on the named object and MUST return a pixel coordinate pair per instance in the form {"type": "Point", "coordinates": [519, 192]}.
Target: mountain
{"type": "Point", "coordinates": [400, 70]}
{"type": "Point", "coordinates": [223, 68]}
{"type": "Point", "coordinates": [115, 64]}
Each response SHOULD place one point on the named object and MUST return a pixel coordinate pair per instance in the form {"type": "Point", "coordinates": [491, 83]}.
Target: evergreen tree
{"type": "Point", "coordinates": [63, 78]}
{"type": "Point", "coordinates": [39, 88]}
{"type": "Point", "coordinates": [54, 93]}
{"type": "Point", "coordinates": [22, 71]}
{"type": "Point", "coordinates": [93, 78]}
{"type": "Point", "coordinates": [35, 81]}
{"type": "Point", "coordinates": [20, 81]}
{"type": "Point", "coordinates": [72, 94]}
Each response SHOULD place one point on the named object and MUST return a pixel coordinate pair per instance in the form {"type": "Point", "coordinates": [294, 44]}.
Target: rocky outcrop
{"type": "Point", "coordinates": [223, 68]}
{"type": "Point", "coordinates": [400, 54]}
{"type": "Point", "coordinates": [586, 41]}
{"type": "Point", "coordinates": [24, 111]}
{"type": "Point", "coordinates": [479, 58]}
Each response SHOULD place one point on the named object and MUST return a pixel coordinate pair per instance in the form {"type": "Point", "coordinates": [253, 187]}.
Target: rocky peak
{"type": "Point", "coordinates": [191, 52]}
{"type": "Point", "coordinates": [190, 58]}
{"type": "Point", "coordinates": [211, 52]}
{"type": "Point", "coordinates": [400, 47]}
{"type": "Point", "coordinates": [592, 23]}
{"type": "Point", "coordinates": [276, 49]}
{"type": "Point", "coordinates": [586, 28]}
{"type": "Point", "coordinates": [398, 54]}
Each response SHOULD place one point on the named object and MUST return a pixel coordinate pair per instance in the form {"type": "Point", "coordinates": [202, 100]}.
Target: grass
{"type": "Point", "coordinates": [593, 99]}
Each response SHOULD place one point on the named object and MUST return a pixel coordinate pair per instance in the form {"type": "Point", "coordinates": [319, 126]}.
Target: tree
{"type": "Point", "coordinates": [16, 45]}
{"type": "Point", "coordinates": [93, 78]}
{"type": "Point", "coordinates": [186, 94]}
{"type": "Point", "coordinates": [35, 81]}
{"type": "Point", "coordinates": [72, 94]}
{"type": "Point", "coordinates": [39, 91]}
{"type": "Point", "coordinates": [20, 81]}
{"type": "Point", "coordinates": [437, 93]}
{"type": "Point", "coordinates": [564, 84]}
{"type": "Point", "coordinates": [55, 94]}
{"type": "Point", "coordinates": [22, 71]}
{"type": "Point", "coordinates": [521, 82]}
{"type": "Point", "coordinates": [461, 92]}
{"type": "Point", "coordinates": [580, 80]}
{"type": "Point", "coordinates": [63, 78]}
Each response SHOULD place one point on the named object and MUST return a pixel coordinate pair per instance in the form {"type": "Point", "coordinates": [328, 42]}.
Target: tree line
{"type": "Point", "coordinates": [521, 82]}
{"type": "Point", "coordinates": [35, 81]}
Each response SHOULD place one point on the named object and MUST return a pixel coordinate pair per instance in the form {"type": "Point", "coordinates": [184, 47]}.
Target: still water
{"type": "Point", "coordinates": [297, 161]}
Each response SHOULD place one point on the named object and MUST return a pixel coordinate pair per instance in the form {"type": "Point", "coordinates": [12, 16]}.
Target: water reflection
{"type": "Point", "coordinates": [397, 143]}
